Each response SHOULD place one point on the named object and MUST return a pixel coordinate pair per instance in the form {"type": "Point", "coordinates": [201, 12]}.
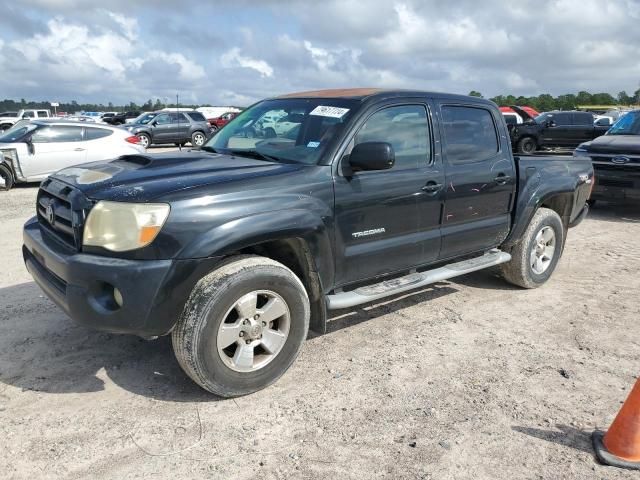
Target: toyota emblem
{"type": "Point", "coordinates": [51, 215]}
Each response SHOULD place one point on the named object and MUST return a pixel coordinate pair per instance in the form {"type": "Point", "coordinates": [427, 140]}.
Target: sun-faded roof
{"type": "Point", "coordinates": [335, 93]}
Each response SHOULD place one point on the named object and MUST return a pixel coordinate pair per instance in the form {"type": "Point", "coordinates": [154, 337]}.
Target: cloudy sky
{"type": "Point", "coordinates": [234, 52]}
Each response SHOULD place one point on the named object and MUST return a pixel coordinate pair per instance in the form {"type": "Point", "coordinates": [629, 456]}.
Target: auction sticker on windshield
{"type": "Point", "coordinates": [333, 112]}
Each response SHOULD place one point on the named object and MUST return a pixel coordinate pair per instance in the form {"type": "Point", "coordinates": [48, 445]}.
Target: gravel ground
{"type": "Point", "coordinates": [467, 379]}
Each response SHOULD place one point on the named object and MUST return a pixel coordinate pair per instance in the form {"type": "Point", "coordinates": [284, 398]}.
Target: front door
{"type": "Point", "coordinates": [161, 129]}
{"type": "Point", "coordinates": [480, 180]}
{"type": "Point", "coordinates": [54, 147]}
{"type": "Point", "coordinates": [389, 220]}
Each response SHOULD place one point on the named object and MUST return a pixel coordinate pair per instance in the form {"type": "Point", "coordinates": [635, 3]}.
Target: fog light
{"type": "Point", "coordinates": [117, 296]}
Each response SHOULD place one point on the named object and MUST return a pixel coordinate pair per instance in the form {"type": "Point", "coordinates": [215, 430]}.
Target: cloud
{"type": "Point", "coordinates": [238, 51]}
{"type": "Point", "coordinates": [233, 58]}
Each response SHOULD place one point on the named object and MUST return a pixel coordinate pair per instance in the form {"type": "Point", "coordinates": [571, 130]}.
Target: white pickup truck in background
{"type": "Point", "coordinates": [8, 122]}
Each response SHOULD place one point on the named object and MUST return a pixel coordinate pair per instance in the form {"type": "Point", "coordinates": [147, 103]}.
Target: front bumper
{"type": "Point", "coordinates": [617, 183]}
{"type": "Point", "coordinates": [153, 291]}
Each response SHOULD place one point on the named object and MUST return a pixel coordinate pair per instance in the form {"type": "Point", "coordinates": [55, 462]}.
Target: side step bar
{"type": "Point", "coordinates": [386, 288]}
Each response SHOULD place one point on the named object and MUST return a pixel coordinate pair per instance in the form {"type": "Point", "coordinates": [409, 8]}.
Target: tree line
{"type": "Point", "coordinates": [542, 103]}
{"type": "Point", "coordinates": [8, 105]}
{"type": "Point", "coordinates": [569, 101]}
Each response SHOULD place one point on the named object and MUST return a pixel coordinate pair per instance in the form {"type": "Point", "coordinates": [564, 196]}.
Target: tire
{"type": "Point", "coordinates": [198, 139]}
{"type": "Point", "coordinates": [531, 262]}
{"type": "Point", "coordinates": [591, 202]}
{"type": "Point", "coordinates": [527, 145]}
{"type": "Point", "coordinates": [213, 304]}
{"type": "Point", "coordinates": [145, 139]}
{"type": "Point", "coordinates": [5, 126]}
{"type": "Point", "coordinates": [7, 177]}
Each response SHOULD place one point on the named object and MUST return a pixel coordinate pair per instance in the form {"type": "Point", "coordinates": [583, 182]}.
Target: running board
{"type": "Point", "coordinates": [380, 290]}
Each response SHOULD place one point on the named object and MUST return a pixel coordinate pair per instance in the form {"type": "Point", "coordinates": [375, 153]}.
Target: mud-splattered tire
{"type": "Point", "coordinates": [535, 256]}
{"type": "Point", "coordinates": [222, 307]}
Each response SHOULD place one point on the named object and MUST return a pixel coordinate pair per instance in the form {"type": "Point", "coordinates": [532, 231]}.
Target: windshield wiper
{"type": "Point", "coordinates": [209, 149]}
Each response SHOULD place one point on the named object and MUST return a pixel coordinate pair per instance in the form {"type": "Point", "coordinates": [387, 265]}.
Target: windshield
{"type": "Point", "coordinates": [628, 124]}
{"type": "Point", "coordinates": [17, 132]}
{"type": "Point", "coordinates": [144, 118]}
{"type": "Point", "coordinates": [288, 130]}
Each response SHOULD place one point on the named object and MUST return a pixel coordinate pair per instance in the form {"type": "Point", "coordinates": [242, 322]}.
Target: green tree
{"type": "Point", "coordinates": [474, 93]}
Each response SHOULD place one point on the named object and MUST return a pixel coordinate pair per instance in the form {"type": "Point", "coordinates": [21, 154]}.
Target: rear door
{"type": "Point", "coordinates": [583, 128]}
{"type": "Point", "coordinates": [180, 127]}
{"type": "Point", "coordinates": [56, 147]}
{"type": "Point", "coordinates": [480, 179]}
{"type": "Point", "coordinates": [389, 220]}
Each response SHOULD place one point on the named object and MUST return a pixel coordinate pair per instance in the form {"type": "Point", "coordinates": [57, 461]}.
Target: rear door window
{"type": "Point", "coordinates": [582, 119]}
{"type": "Point", "coordinates": [43, 114]}
{"type": "Point", "coordinates": [470, 134]}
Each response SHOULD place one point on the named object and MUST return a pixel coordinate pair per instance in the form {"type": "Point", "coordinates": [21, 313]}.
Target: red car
{"type": "Point", "coordinates": [222, 120]}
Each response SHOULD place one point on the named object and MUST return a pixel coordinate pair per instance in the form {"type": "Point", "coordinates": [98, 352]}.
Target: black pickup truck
{"type": "Point", "coordinates": [616, 160]}
{"type": "Point", "coordinates": [555, 129]}
{"type": "Point", "coordinates": [241, 247]}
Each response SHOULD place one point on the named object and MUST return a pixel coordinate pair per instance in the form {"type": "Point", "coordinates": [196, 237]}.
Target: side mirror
{"type": "Point", "coordinates": [30, 147]}
{"type": "Point", "coordinates": [154, 123]}
{"type": "Point", "coordinates": [551, 123]}
{"type": "Point", "coordinates": [372, 156]}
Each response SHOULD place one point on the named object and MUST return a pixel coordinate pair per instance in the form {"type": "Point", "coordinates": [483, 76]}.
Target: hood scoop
{"type": "Point", "coordinates": [142, 160]}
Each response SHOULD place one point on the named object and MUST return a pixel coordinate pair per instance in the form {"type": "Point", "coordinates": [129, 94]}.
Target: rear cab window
{"type": "Point", "coordinates": [470, 134]}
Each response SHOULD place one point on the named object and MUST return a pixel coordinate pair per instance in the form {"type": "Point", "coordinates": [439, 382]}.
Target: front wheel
{"type": "Point", "coordinates": [6, 178]}
{"type": "Point", "coordinates": [243, 326]}
{"type": "Point", "coordinates": [535, 256]}
{"type": "Point", "coordinates": [145, 139]}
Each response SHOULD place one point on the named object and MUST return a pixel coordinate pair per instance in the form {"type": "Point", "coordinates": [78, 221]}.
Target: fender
{"type": "Point", "coordinates": [263, 227]}
{"type": "Point", "coordinates": [533, 193]}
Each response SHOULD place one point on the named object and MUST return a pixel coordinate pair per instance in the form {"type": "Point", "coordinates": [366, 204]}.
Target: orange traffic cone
{"type": "Point", "coordinates": [620, 446]}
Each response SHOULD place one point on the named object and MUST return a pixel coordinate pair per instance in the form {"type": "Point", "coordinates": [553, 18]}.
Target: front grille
{"type": "Point", "coordinates": [609, 182]}
{"type": "Point", "coordinates": [62, 211]}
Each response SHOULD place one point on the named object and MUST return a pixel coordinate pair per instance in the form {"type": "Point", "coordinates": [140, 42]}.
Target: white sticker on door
{"type": "Point", "coordinates": [333, 112]}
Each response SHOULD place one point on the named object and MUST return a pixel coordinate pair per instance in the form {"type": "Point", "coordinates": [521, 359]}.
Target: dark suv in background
{"type": "Point", "coordinates": [566, 129]}
{"type": "Point", "coordinates": [171, 127]}
{"type": "Point", "coordinates": [121, 118]}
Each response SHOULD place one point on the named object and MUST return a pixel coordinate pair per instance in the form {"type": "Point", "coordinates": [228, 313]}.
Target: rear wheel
{"type": "Point", "coordinates": [145, 139]}
{"type": "Point", "coordinates": [242, 326]}
{"type": "Point", "coordinates": [527, 145]}
{"type": "Point", "coordinates": [535, 256]}
{"type": "Point", "coordinates": [198, 139]}
{"type": "Point", "coordinates": [6, 178]}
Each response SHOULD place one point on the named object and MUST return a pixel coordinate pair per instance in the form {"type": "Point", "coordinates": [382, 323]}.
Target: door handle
{"type": "Point", "coordinates": [79, 149]}
{"type": "Point", "coordinates": [432, 187]}
{"type": "Point", "coordinates": [501, 179]}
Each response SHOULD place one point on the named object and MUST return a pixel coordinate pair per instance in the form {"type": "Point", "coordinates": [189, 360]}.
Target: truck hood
{"type": "Point", "coordinates": [618, 144]}
{"type": "Point", "coordinates": [147, 177]}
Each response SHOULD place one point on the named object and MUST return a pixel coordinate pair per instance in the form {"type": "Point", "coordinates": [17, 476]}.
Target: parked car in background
{"type": "Point", "coordinates": [238, 249]}
{"type": "Point", "coordinates": [171, 127]}
{"type": "Point", "coordinates": [32, 150]}
{"type": "Point", "coordinates": [122, 118]}
{"type": "Point", "coordinates": [616, 160]}
{"type": "Point", "coordinates": [513, 118]}
{"type": "Point", "coordinates": [603, 120]}
{"type": "Point", "coordinates": [222, 120]}
{"type": "Point", "coordinates": [553, 129]}
{"type": "Point", "coordinates": [8, 122]}
{"type": "Point", "coordinates": [107, 115]}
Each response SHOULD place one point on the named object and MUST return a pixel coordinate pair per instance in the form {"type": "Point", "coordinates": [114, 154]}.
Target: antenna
{"type": "Point", "coordinates": [178, 113]}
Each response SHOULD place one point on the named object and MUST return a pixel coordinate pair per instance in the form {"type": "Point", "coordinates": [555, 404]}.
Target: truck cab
{"type": "Point", "coordinates": [241, 247]}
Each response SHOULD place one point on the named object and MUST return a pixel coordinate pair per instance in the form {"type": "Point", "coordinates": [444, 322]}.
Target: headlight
{"type": "Point", "coordinates": [119, 226]}
{"type": "Point", "coordinates": [580, 152]}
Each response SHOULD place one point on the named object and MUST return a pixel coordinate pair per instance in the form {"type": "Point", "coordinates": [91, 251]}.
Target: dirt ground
{"type": "Point", "coordinates": [469, 379]}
